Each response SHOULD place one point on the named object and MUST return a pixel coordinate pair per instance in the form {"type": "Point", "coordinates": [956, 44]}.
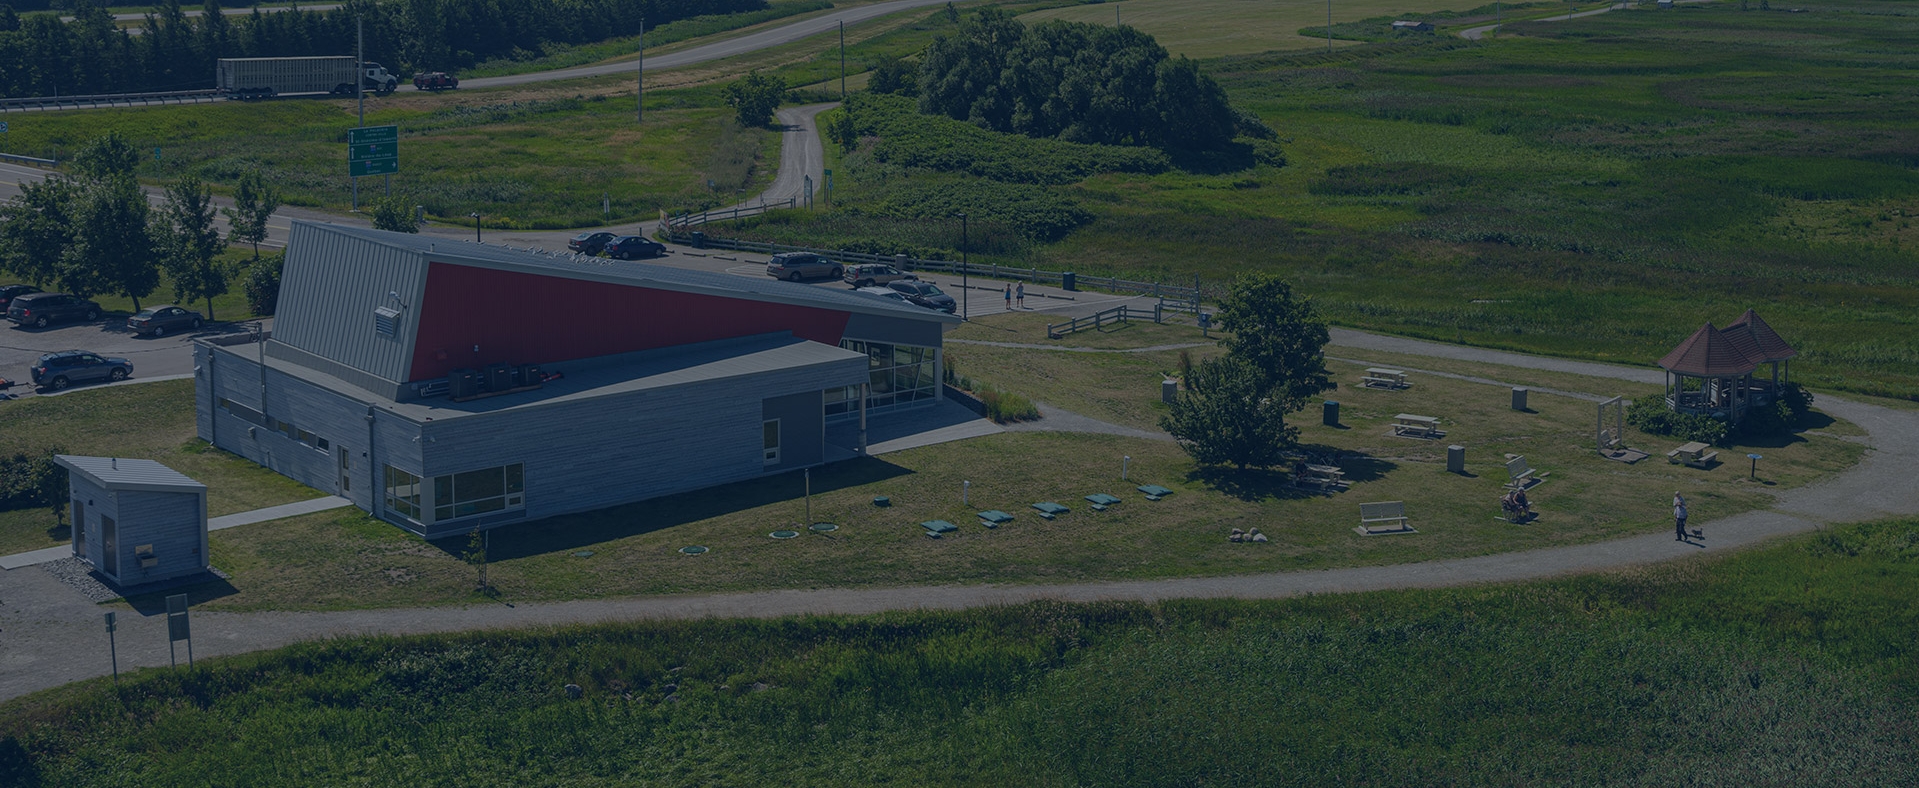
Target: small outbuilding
{"type": "Point", "coordinates": [1415, 26]}
{"type": "Point", "coordinates": [1711, 372]}
{"type": "Point", "coordinates": [136, 521]}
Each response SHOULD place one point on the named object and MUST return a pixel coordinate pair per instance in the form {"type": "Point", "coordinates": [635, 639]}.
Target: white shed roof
{"type": "Point", "coordinates": [118, 473]}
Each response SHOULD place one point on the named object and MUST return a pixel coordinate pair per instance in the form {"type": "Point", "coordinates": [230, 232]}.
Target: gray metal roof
{"type": "Point", "coordinates": [598, 269]}
{"type": "Point", "coordinates": [120, 473]}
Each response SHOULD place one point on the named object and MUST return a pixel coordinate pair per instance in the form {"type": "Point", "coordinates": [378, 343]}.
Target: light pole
{"type": "Point", "coordinates": [476, 225]}
{"type": "Point", "coordinates": [639, 81]}
{"type": "Point", "coordinates": [964, 312]}
{"type": "Point", "coordinates": [1329, 25]}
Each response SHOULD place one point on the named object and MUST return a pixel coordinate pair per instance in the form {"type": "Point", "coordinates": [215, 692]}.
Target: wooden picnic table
{"type": "Point", "coordinates": [1416, 426]}
{"type": "Point", "coordinates": [1319, 475]}
{"type": "Point", "coordinates": [1694, 454]}
{"type": "Point", "coordinates": [1380, 377]}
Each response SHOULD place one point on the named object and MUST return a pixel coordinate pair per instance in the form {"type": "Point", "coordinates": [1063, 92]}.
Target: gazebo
{"type": "Point", "coordinates": [1711, 373]}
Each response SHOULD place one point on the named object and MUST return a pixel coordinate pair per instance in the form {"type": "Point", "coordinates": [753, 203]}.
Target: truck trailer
{"type": "Point", "coordinates": [262, 77]}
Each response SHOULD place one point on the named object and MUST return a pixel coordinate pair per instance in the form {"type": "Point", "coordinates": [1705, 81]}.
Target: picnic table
{"type": "Point", "coordinates": [1407, 424]}
{"type": "Point", "coordinates": [1693, 454]}
{"type": "Point", "coordinates": [1321, 476]}
{"type": "Point", "coordinates": [1380, 377]}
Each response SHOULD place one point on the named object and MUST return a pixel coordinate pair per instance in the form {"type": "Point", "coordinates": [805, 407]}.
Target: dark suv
{"type": "Point", "coordinates": [591, 242]}
{"type": "Point", "coordinates": [59, 370]}
{"type": "Point", "coordinates": [39, 309]}
{"type": "Point", "coordinates": [794, 266]}
{"type": "Point", "coordinates": [926, 295]}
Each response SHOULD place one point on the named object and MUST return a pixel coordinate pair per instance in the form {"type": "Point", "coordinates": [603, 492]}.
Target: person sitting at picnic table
{"type": "Point", "coordinates": [1515, 502]}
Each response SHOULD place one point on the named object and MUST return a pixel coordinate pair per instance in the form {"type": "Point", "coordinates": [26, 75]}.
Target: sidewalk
{"type": "Point", "coordinates": [282, 511]}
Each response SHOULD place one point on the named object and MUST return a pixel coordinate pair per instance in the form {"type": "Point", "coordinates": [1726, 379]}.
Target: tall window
{"type": "Point", "coordinates": [402, 492]}
{"type": "Point", "coordinates": [468, 493]}
{"type": "Point", "coordinates": [896, 375]}
{"type": "Point", "coordinates": [770, 441]}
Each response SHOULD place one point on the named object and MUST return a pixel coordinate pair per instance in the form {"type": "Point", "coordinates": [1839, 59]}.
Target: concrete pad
{"type": "Point", "coordinates": [278, 512]}
{"type": "Point", "coordinates": [34, 557]}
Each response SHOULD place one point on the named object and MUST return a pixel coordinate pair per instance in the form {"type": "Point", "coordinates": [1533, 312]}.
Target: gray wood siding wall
{"type": "Point", "coordinates": [174, 523]}
{"type": "Point", "coordinates": [802, 429]}
{"type": "Point", "coordinates": [97, 503]}
{"type": "Point", "coordinates": [331, 285]}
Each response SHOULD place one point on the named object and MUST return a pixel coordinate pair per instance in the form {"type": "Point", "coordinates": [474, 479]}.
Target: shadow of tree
{"type": "Point", "coordinates": [570, 532]}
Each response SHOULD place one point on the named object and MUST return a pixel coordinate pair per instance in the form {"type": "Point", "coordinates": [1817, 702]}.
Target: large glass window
{"type": "Point", "coordinates": [468, 493]}
{"type": "Point", "coordinates": [896, 375]}
{"type": "Point", "coordinates": [402, 492]}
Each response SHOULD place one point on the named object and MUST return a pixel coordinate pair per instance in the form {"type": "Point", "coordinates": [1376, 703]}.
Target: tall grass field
{"type": "Point", "coordinates": [1790, 665]}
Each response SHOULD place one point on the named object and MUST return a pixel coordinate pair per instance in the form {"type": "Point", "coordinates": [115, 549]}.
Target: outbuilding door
{"type": "Point", "coordinates": [79, 528]}
{"type": "Point", "coordinates": [110, 546]}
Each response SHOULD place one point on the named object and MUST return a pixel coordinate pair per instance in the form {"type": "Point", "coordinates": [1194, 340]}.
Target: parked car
{"type": "Point", "coordinates": [634, 247]}
{"type": "Point", "coordinates": [591, 242]}
{"type": "Point", "coordinates": [435, 80]}
{"type": "Point", "coordinates": [884, 292]}
{"type": "Point", "coordinates": [870, 274]}
{"type": "Point", "coordinates": [927, 295]}
{"type": "Point", "coordinates": [7, 293]}
{"type": "Point", "coordinates": [794, 266]}
{"type": "Point", "coordinates": [40, 309]}
{"type": "Point", "coordinates": [159, 320]}
{"type": "Point", "coordinates": [59, 370]}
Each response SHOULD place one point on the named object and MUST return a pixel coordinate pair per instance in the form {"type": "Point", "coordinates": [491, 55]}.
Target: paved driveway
{"type": "Point", "coordinates": [167, 357]}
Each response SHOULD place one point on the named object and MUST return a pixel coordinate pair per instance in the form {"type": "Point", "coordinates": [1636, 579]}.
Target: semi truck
{"type": "Point", "coordinates": [263, 77]}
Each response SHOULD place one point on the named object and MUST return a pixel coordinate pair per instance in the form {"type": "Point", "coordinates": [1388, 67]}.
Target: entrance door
{"type": "Point", "coordinates": [346, 470]}
{"type": "Point", "coordinates": [110, 546]}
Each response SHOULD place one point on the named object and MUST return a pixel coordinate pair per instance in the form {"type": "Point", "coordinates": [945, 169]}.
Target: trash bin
{"type": "Point", "coordinates": [1069, 281]}
{"type": "Point", "coordinates": [1519, 398]}
{"type": "Point", "coordinates": [699, 240]}
{"type": "Point", "coordinates": [1456, 459]}
{"type": "Point", "coordinates": [1331, 415]}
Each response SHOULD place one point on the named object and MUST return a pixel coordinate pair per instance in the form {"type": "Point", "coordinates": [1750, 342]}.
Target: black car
{"type": "Point", "coordinates": [59, 370]}
{"type": "Point", "coordinates": [40, 309]}
{"type": "Point", "coordinates": [591, 242]}
{"type": "Point", "coordinates": [926, 295]}
{"type": "Point", "coordinates": [634, 247]}
{"type": "Point", "coordinates": [159, 320]}
{"type": "Point", "coordinates": [7, 293]}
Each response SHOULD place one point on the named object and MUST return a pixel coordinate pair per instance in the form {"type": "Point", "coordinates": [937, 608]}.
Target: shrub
{"type": "Point", "coordinates": [1003, 406]}
{"type": "Point", "coordinates": [28, 481]}
{"type": "Point", "coordinates": [1650, 415]}
{"type": "Point", "coordinates": [262, 284]}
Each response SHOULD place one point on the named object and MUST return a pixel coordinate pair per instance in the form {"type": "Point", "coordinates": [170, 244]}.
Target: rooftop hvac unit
{"type": "Point", "coordinates": [499, 377]}
{"type": "Point", "coordinates": [463, 383]}
{"type": "Point", "coordinates": [530, 375]}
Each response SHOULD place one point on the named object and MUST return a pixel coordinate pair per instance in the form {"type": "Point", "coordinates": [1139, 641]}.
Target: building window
{"type": "Point", "coordinates": [243, 412]}
{"type": "Point", "coordinates": [896, 375]}
{"type": "Point", "coordinates": [770, 441]}
{"type": "Point", "coordinates": [468, 493]}
{"type": "Point", "coordinates": [402, 493]}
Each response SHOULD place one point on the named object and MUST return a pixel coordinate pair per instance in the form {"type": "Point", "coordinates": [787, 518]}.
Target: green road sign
{"type": "Point", "coordinates": [373, 167]}
{"type": "Point", "coordinates": [373, 150]}
{"type": "Point", "coordinates": [370, 134]}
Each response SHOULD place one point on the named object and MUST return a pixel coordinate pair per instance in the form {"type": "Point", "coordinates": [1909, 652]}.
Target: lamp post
{"type": "Point", "coordinates": [476, 225]}
{"type": "Point", "coordinates": [964, 313]}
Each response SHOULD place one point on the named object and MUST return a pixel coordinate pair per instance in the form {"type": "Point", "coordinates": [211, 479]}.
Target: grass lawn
{"type": "Point", "coordinates": [339, 560]}
{"type": "Point", "coordinates": [1212, 28]}
{"type": "Point", "coordinates": [151, 421]}
{"type": "Point", "coordinates": [1791, 664]}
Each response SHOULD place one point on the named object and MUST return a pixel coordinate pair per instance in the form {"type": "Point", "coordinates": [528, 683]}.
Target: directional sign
{"type": "Point", "coordinates": [373, 150]}
{"type": "Point", "coordinates": [373, 167]}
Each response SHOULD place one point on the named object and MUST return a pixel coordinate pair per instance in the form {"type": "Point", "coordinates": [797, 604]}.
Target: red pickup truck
{"type": "Point", "coordinates": [435, 80]}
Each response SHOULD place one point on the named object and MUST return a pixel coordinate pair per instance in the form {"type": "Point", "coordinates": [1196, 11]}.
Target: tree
{"type": "Point", "coordinates": [187, 243]}
{"type": "Point", "coordinates": [755, 98]}
{"type": "Point", "coordinates": [841, 131]}
{"type": "Point", "coordinates": [35, 227]}
{"type": "Point", "coordinates": [895, 76]}
{"type": "Point", "coordinates": [394, 214]}
{"type": "Point", "coordinates": [1280, 336]}
{"type": "Point", "coordinates": [262, 284]}
{"type": "Point", "coordinates": [254, 202]}
{"type": "Point", "coordinates": [111, 250]}
{"type": "Point", "coordinates": [105, 156]}
{"type": "Point", "coordinates": [1228, 416]}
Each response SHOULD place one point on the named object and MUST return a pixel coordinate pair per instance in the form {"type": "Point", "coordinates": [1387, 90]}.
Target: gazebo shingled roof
{"type": "Point", "coordinates": [1709, 354]}
{"type": "Point", "coordinates": [1766, 342]}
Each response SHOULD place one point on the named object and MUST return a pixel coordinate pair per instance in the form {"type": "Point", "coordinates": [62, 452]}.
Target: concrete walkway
{"type": "Point", "coordinates": [34, 557]}
{"type": "Point", "coordinates": [51, 636]}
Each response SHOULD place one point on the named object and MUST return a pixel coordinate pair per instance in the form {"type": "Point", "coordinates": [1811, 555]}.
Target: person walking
{"type": "Point", "coordinates": [1019, 295]}
{"type": "Point", "coordinates": [1009, 298]}
{"type": "Point", "coordinates": [1679, 517]}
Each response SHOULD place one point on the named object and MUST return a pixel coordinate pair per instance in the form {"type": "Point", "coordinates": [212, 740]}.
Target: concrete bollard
{"type": "Point", "coordinates": [1168, 390]}
{"type": "Point", "coordinates": [1330, 416]}
{"type": "Point", "coordinates": [1519, 398]}
{"type": "Point", "coordinates": [1456, 459]}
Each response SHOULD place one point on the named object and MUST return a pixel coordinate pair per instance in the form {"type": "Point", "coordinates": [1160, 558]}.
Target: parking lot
{"type": "Point", "coordinates": [165, 357]}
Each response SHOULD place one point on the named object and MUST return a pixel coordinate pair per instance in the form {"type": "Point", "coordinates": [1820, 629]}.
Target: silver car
{"type": "Point", "coordinates": [794, 266]}
{"type": "Point", "coordinates": [870, 274]}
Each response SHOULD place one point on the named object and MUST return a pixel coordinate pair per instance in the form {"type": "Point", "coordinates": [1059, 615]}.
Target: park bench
{"type": "Point", "coordinates": [1383, 517]}
{"type": "Point", "coordinates": [1519, 475]}
{"type": "Point", "coordinates": [1693, 454]}
{"type": "Point", "coordinates": [1381, 378]}
{"type": "Point", "coordinates": [1411, 426]}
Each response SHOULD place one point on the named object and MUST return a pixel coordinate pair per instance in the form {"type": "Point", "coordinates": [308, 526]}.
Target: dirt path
{"type": "Point", "coordinates": [50, 636]}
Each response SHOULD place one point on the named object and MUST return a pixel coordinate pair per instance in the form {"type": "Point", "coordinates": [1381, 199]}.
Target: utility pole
{"type": "Point", "coordinates": [1329, 25]}
{"type": "Point", "coordinates": [842, 60]}
{"type": "Point", "coordinates": [639, 85]}
{"type": "Point", "coordinates": [359, 88]}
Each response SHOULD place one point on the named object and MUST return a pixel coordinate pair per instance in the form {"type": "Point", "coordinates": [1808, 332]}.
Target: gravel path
{"type": "Point", "coordinates": [50, 635]}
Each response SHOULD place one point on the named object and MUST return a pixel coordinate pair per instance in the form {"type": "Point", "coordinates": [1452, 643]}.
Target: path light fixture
{"type": "Point", "coordinates": [1754, 472]}
{"type": "Point", "coordinates": [476, 225]}
{"type": "Point", "coordinates": [1125, 461]}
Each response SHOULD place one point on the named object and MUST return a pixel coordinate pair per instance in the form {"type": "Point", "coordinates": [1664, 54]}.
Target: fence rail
{"type": "Point", "coordinates": [26, 159]}
{"type": "Point", "coordinates": [107, 99]}
{"type": "Point", "coordinates": [1118, 314]}
{"type": "Point", "coordinates": [679, 230]}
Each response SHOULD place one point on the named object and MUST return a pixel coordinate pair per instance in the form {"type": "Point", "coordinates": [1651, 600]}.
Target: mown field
{"type": "Point", "coordinates": [1790, 665]}
{"type": "Point", "coordinates": [1594, 188]}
